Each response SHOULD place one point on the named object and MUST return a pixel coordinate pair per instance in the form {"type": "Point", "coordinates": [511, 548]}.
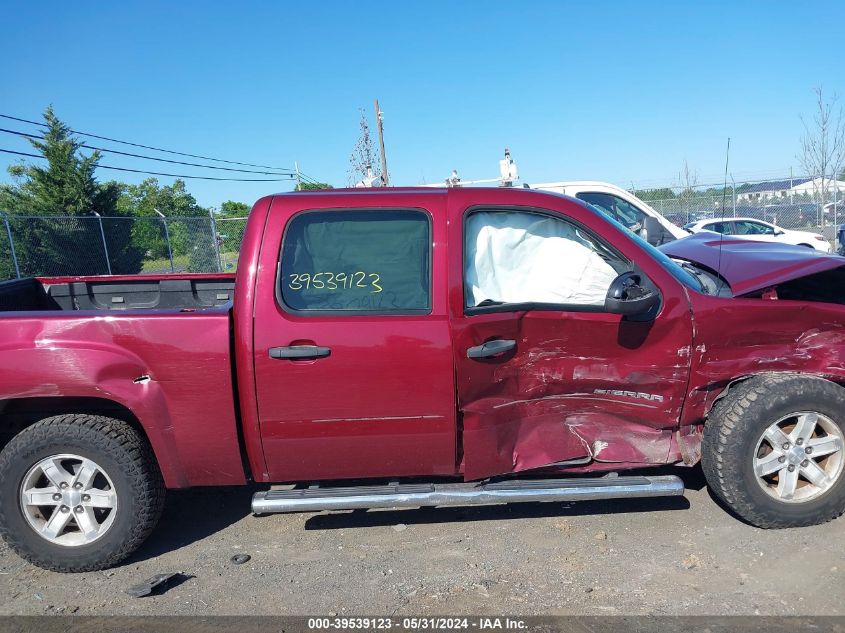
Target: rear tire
{"type": "Point", "coordinates": [78, 492]}
{"type": "Point", "coordinates": [773, 450]}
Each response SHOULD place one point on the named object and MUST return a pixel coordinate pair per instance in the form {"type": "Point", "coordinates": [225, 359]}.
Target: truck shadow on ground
{"type": "Point", "coordinates": [382, 518]}
{"type": "Point", "coordinates": [192, 515]}
{"type": "Point", "coordinates": [692, 477]}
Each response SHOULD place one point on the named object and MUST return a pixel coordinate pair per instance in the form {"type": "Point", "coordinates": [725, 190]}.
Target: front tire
{"type": "Point", "coordinates": [774, 450]}
{"type": "Point", "coordinates": [78, 492]}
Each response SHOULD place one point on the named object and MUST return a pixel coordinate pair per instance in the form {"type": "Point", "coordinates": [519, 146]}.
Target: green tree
{"type": "Point", "coordinates": [313, 186]}
{"type": "Point", "coordinates": [70, 243]}
{"type": "Point", "coordinates": [654, 194]}
{"type": "Point", "coordinates": [188, 223]}
{"type": "Point", "coordinates": [232, 209]}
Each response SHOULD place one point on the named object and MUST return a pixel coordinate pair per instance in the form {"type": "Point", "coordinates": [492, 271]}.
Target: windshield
{"type": "Point", "coordinates": [615, 207]}
{"type": "Point", "coordinates": [682, 274]}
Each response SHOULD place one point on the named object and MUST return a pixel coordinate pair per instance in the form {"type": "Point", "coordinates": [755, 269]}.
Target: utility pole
{"type": "Point", "coordinates": [384, 176]}
{"type": "Point", "coordinates": [298, 179]}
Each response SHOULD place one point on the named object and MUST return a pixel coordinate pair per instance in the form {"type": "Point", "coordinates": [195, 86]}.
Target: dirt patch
{"type": "Point", "coordinates": [651, 556]}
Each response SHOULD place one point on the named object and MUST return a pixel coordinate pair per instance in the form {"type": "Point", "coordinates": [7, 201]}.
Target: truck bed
{"type": "Point", "coordinates": [150, 349]}
{"type": "Point", "coordinates": [189, 291]}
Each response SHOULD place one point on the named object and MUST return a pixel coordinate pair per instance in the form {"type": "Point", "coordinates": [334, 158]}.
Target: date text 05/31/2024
{"type": "Point", "coordinates": [416, 623]}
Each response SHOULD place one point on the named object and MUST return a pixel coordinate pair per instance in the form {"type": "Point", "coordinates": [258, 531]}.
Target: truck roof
{"type": "Point", "coordinates": [370, 191]}
{"type": "Point", "coordinates": [490, 193]}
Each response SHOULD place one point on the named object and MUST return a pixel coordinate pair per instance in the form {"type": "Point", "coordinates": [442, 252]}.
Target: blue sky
{"type": "Point", "coordinates": [618, 91]}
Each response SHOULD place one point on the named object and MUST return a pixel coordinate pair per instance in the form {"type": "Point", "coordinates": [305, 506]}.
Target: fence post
{"type": "Point", "coordinates": [103, 235]}
{"type": "Point", "coordinates": [733, 193]}
{"type": "Point", "coordinates": [167, 238]}
{"type": "Point", "coordinates": [12, 247]}
{"type": "Point", "coordinates": [214, 239]}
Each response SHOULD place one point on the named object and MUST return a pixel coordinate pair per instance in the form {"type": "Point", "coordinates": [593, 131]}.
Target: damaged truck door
{"type": "Point", "coordinates": [353, 318]}
{"type": "Point", "coordinates": [565, 379]}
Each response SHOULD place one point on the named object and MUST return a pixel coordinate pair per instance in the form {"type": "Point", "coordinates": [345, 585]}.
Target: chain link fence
{"type": "Point", "coordinates": [803, 214]}
{"type": "Point", "coordinates": [91, 245]}
{"type": "Point", "coordinates": [230, 233]}
{"type": "Point", "coordinates": [809, 204]}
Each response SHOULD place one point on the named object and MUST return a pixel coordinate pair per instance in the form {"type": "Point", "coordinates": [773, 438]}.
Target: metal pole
{"type": "Point", "coordinates": [790, 185]}
{"type": "Point", "coordinates": [380, 127]}
{"type": "Point", "coordinates": [103, 235]}
{"type": "Point", "coordinates": [167, 239]}
{"type": "Point", "coordinates": [214, 238]}
{"type": "Point", "coordinates": [12, 246]}
{"type": "Point", "coordinates": [733, 193]}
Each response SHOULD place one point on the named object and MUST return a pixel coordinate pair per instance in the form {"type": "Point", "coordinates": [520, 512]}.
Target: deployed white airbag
{"type": "Point", "coordinates": [516, 257]}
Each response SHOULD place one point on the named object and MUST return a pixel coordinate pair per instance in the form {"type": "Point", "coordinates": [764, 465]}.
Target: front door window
{"type": "Point", "coordinates": [518, 257]}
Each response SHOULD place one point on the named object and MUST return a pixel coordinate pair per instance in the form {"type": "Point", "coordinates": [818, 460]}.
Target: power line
{"type": "Point", "coordinates": [158, 173]}
{"type": "Point", "coordinates": [163, 160]}
{"type": "Point", "coordinates": [157, 149]}
{"type": "Point", "coordinates": [309, 179]}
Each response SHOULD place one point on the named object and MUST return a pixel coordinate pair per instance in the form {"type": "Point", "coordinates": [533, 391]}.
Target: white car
{"type": "Point", "coordinates": [751, 229]}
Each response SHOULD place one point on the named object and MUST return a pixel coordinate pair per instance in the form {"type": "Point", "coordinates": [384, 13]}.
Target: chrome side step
{"type": "Point", "coordinates": [464, 494]}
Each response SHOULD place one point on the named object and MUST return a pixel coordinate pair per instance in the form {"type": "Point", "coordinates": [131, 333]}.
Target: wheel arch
{"type": "Point", "coordinates": [732, 441]}
{"type": "Point", "coordinates": [837, 380]}
{"type": "Point", "coordinates": [19, 413]}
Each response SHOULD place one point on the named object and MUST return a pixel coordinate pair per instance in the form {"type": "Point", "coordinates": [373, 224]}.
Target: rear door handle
{"type": "Point", "coordinates": [302, 352]}
{"type": "Point", "coordinates": [491, 348]}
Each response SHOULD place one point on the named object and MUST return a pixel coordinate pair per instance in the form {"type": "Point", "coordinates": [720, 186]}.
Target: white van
{"type": "Point", "coordinates": [622, 206]}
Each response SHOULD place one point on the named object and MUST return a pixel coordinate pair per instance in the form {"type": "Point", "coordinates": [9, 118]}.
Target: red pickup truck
{"type": "Point", "coordinates": [421, 347]}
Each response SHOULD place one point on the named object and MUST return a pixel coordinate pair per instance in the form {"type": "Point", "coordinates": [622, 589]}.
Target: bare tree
{"type": "Point", "coordinates": [687, 182]}
{"type": "Point", "coordinates": [823, 146]}
{"type": "Point", "coordinates": [363, 161]}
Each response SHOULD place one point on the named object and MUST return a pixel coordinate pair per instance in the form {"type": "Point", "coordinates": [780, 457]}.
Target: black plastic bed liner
{"type": "Point", "coordinates": [151, 294]}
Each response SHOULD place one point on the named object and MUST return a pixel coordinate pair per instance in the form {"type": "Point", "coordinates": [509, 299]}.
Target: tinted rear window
{"type": "Point", "coordinates": [357, 261]}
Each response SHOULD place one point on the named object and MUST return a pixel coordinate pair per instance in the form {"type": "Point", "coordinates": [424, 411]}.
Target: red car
{"type": "Point", "coordinates": [421, 347]}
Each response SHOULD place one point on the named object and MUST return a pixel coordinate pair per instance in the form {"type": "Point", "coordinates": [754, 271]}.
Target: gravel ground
{"type": "Point", "coordinates": [655, 556]}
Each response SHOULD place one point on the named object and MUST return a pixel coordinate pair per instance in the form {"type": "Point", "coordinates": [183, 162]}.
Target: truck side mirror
{"type": "Point", "coordinates": [628, 295]}
{"type": "Point", "coordinates": [653, 231]}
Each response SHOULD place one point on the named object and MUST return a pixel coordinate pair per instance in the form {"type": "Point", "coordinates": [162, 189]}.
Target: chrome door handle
{"type": "Point", "coordinates": [491, 348]}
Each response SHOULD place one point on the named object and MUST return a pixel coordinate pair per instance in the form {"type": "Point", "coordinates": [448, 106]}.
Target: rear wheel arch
{"type": "Point", "coordinates": [17, 414]}
{"type": "Point", "coordinates": [79, 492]}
